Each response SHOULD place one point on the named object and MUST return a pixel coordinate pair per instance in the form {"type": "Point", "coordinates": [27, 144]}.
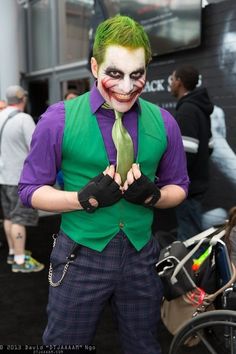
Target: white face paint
{"type": "Point", "coordinates": [121, 77]}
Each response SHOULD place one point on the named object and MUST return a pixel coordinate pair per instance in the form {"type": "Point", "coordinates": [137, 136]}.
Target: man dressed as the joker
{"type": "Point", "coordinates": [105, 249]}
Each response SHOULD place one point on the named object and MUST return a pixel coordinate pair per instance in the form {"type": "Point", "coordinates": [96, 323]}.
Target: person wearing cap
{"type": "Point", "coordinates": [16, 129]}
{"type": "Point", "coordinates": [105, 250]}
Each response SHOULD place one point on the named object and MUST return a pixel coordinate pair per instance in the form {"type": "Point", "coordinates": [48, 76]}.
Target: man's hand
{"type": "Point", "coordinates": [139, 189]}
{"type": "Point", "coordinates": [103, 190]}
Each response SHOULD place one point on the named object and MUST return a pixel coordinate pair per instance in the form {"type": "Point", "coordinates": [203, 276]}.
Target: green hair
{"type": "Point", "coordinates": [123, 31]}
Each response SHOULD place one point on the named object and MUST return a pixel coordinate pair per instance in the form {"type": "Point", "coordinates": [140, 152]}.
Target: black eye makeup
{"type": "Point", "coordinates": [118, 74]}
{"type": "Point", "coordinates": [114, 73]}
{"type": "Point", "coordinates": [137, 74]}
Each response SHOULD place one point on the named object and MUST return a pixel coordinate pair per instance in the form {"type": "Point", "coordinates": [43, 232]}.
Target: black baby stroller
{"type": "Point", "coordinates": [199, 293]}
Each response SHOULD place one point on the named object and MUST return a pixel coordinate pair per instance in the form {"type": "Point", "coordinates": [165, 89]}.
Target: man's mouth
{"type": "Point", "coordinates": [124, 97]}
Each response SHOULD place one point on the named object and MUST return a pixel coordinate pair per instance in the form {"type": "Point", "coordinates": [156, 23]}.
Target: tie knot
{"type": "Point", "coordinates": [106, 105]}
{"type": "Point", "coordinates": [118, 115]}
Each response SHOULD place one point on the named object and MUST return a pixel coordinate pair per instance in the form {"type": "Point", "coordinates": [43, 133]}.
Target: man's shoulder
{"type": "Point", "coordinates": [150, 108]}
{"type": "Point", "coordinates": [77, 102]}
{"type": "Point", "coordinates": [52, 120]}
{"type": "Point", "coordinates": [13, 112]}
{"type": "Point", "coordinates": [6, 111]}
{"type": "Point", "coordinates": [23, 115]}
{"type": "Point", "coordinates": [55, 107]}
{"type": "Point", "coordinates": [147, 103]}
{"type": "Point", "coordinates": [185, 103]}
{"type": "Point", "coordinates": [188, 108]}
{"type": "Point", "coordinates": [53, 112]}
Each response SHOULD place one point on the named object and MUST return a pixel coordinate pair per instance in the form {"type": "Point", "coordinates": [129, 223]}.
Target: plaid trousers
{"type": "Point", "coordinates": [119, 274]}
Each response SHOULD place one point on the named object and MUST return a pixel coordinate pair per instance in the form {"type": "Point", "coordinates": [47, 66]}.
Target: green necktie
{"type": "Point", "coordinates": [124, 147]}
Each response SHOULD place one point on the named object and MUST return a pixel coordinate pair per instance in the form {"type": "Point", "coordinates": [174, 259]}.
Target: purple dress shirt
{"type": "Point", "coordinates": [44, 160]}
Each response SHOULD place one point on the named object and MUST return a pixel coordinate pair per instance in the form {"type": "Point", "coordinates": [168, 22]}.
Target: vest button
{"type": "Point", "coordinates": [121, 225]}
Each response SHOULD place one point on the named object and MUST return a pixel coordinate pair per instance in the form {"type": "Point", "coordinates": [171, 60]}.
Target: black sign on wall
{"type": "Point", "coordinates": [166, 21]}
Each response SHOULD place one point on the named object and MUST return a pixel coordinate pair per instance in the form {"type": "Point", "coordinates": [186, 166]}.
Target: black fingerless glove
{"type": "Point", "coordinates": [102, 188]}
{"type": "Point", "coordinates": [142, 189]}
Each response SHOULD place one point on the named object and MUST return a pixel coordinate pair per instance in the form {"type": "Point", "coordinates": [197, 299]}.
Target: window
{"type": "Point", "coordinates": [40, 35]}
{"type": "Point", "coordinates": [74, 24]}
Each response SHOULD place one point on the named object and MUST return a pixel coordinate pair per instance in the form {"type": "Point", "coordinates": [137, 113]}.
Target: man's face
{"type": "Point", "coordinates": [174, 85]}
{"type": "Point", "coordinates": [121, 77]}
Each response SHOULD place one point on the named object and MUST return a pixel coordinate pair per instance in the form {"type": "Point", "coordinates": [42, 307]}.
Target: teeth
{"type": "Point", "coordinates": [122, 96]}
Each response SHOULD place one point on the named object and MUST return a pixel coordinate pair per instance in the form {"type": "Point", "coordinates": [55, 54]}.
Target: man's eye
{"type": "Point", "coordinates": [136, 76]}
{"type": "Point", "coordinates": [114, 74]}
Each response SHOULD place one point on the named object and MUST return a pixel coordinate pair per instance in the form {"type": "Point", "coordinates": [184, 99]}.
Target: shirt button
{"type": "Point", "coordinates": [121, 225]}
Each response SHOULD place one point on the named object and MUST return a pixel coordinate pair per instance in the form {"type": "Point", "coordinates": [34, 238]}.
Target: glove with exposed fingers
{"type": "Point", "coordinates": [142, 189]}
{"type": "Point", "coordinates": [103, 188]}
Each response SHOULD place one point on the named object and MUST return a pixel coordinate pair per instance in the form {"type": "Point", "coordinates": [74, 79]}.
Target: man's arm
{"type": "Point", "coordinates": [171, 196]}
{"type": "Point", "coordinates": [44, 159]}
{"type": "Point", "coordinates": [172, 168]}
{"type": "Point", "coordinates": [50, 199]}
{"type": "Point", "coordinates": [102, 191]}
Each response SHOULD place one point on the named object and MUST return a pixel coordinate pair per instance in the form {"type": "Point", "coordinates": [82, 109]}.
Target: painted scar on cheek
{"type": "Point", "coordinates": [140, 83]}
{"type": "Point", "coordinates": [108, 82]}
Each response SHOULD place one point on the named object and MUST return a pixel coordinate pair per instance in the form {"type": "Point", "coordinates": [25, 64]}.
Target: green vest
{"type": "Point", "coordinates": [84, 156]}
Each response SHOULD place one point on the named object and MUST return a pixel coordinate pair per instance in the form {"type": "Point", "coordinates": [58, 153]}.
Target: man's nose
{"type": "Point", "coordinates": [127, 85]}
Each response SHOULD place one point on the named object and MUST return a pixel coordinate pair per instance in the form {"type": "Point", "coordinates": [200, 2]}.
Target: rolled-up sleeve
{"type": "Point", "coordinates": [172, 168]}
{"type": "Point", "coordinates": [44, 159]}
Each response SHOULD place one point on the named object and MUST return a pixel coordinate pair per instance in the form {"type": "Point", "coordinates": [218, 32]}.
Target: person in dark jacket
{"type": "Point", "coordinates": [193, 111]}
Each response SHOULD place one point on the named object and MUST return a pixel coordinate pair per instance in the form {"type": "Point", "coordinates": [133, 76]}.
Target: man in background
{"type": "Point", "coordinates": [16, 130]}
{"type": "Point", "coordinates": [193, 112]}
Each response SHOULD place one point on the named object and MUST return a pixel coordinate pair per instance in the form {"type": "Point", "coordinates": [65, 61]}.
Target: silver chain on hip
{"type": "Point", "coordinates": [55, 284]}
